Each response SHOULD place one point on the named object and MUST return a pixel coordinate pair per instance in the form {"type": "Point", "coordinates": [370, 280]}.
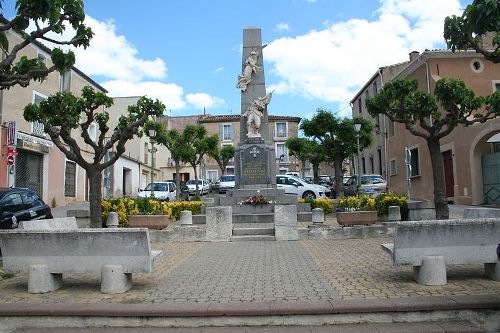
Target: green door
{"type": "Point", "coordinates": [491, 178]}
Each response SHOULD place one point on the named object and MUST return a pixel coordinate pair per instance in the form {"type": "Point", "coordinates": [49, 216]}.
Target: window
{"type": "Point", "coordinates": [65, 81]}
{"type": "Point", "coordinates": [497, 86]}
{"type": "Point", "coordinates": [281, 152]}
{"type": "Point", "coordinates": [12, 203]}
{"type": "Point", "coordinates": [226, 132]}
{"type": "Point", "coordinates": [391, 128]}
{"type": "Point", "coordinates": [375, 90]}
{"type": "Point", "coordinates": [360, 105]}
{"type": "Point", "coordinates": [414, 163]}
{"type": "Point", "coordinates": [372, 164]}
{"type": "Point", "coordinates": [281, 131]}
{"type": "Point", "coordinates": [36, 127]}
{"type": "Point", "coordinates": [213, 175]}
{"type": "Point", "coordinates": [70, 179]}
{"type": "Point", "coordinates": [42, 58]}
{"type": "Point", "coordinates": [229, 171]}
{"type": "Point", "coordinates": [476, 66]}
{"type": "Point", "coordinates": [363, 162]}
{"type": "Point", "coordinates": [394, 169]}
{"type": "Point", "coordinates": [93, 131]}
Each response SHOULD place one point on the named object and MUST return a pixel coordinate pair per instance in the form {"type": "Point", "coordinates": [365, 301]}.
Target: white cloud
{"type": "Point", "coordinates": [282, 26]}
{"type": "Point", "coordinates": [331, 64]}
{"type": "Point", "coordinates": [169, 93]}
{"type": "Point", "coordinates": [218, 70]}
{"type": "Point", "coordinates": [202, 100]}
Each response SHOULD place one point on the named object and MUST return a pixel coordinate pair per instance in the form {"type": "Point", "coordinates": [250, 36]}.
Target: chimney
{"type": "Point", "coordinates": [414, 55]}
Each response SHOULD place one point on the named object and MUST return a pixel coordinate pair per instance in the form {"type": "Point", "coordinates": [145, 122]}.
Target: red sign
{"type": "Point", "coordinates": [10, 160]}
{"type": "Point", "coordinates": [11, 151]}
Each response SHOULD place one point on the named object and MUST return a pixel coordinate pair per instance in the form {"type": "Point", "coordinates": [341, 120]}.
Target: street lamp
{"type": "Point", "coordinates": [152, 135]}
{"type": "Point", "coordinates": [357, 128]}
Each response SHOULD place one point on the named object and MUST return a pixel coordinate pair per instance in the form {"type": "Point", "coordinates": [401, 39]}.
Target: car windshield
{"type": "Point", "coordinates": [157, 187]}
{"type": "Point", "coordinates": [229, 178]}
{"type": "Point", "coordinates": [194, 182]}
{"type": "Point", "coordinates": [372, 180]}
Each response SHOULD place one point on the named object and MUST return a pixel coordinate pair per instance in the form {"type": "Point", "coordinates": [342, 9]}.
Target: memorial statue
{"type": "Point", "coordinates": [254, 113]}
{"type": "Point", "coordinates": [245, 78]}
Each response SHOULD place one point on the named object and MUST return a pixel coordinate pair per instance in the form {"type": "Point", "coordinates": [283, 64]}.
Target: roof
{"type": "Point", "coordinates": [237, 117]}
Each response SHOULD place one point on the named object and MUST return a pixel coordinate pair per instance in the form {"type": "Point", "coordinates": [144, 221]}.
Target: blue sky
{"type": "Point", "coordinates": [188, 53]}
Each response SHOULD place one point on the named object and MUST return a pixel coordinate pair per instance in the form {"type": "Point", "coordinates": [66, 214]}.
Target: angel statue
{"type": "Point", "coordinates": [245, 78]}
{"type": "Point", "coordinates": [254, 113]}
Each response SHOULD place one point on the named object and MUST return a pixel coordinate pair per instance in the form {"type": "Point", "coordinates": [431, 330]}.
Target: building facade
{"type": "Point", "coordinates": [466, 151]}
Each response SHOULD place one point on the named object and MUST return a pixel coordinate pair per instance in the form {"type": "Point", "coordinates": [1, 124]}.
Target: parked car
{"type": "Point", "coordinates": [183, 187]}
{"type": "Point", "coordinates": [325, 180]}
{"type": "Point", "coordinates": [226, 183]}
{"type": "Point", "coordinates": [203, 186]}
{"type": "Point", "coordinates": [161, 190]}
{"type": "Point", "coordinates": [299, 187]}
{"type": "Point", "coordinates": [370, 184]}
{"type": "Point", "coordinates": [21, 204]}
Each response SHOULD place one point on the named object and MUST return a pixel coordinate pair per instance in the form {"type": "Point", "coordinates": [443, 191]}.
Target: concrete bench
{"type": "Point", "coordinates": [49, 224]}
{"type": "Point", "coordinates": [47, 254]}
{"type": "Point", "coordinates": [429, 246]}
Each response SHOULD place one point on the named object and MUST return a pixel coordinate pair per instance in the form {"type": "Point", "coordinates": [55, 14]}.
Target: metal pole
{"type": "Point", "coordinates": [152, 167]}
{"type": "Point", "coordinates": [358, 180]}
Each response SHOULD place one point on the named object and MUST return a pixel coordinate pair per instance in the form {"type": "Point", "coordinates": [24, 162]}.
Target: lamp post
{"type": "Point", "coordinates": [152, 135]}
{"type": "Point", "coordinates": [357, 128]}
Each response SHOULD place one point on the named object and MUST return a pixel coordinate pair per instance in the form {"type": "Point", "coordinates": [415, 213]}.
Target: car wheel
{"type": "Point", "coordinates": [308, 195]}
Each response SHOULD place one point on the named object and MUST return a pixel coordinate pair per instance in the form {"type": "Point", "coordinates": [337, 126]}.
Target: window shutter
{"type": "Point", "coordinates": [231, 132]}
{"type": "Point", "coordinates": [221, 132]}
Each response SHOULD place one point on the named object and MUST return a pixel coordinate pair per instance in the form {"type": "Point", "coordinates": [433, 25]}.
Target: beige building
{"type": "Point", "coordinates": [39, 163]}
{"type": "Point", "coordinates": [471, 155]}
{"type": "Point", "coordinates": [227, 127]}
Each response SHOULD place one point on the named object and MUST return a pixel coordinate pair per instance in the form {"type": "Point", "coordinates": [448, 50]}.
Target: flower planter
{"type": "Point", "coordinates": [148, 221]}
{"type": "Point", "coordinates": [356, 218]}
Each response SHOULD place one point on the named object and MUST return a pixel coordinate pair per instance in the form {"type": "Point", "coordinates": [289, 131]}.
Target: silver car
{"type": "Point", "coordinates": [370, 184]}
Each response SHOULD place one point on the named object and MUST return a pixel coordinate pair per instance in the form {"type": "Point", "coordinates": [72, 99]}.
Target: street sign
{"type": "Point", "coordinates": [11, 133]}
{"type": "Point", "coordinates": [10, 160]}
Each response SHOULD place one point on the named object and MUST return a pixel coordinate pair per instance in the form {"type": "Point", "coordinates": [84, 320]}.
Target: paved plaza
{"type": "Point", "coordinates": [256, 272]}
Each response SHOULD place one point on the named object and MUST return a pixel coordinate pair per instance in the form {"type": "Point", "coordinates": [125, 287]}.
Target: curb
{"type": "Point", "coordinates": [490, 302]}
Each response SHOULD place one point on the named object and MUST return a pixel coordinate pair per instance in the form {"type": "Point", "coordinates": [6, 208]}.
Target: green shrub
{"type": "Point", "coordinates": [325, 204]}
{"type": "Point", "coordinates": [383, 201]}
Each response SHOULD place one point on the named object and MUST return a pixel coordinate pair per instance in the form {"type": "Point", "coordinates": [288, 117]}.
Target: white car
{"type": "Point", "coordinates": [161, 191]}
{"type": "Point", "coordinates": [226, 182]}
{"type": "Point", "coordinates": [203, 186]}
{"type": "Point", "coordinates": [299, 187]}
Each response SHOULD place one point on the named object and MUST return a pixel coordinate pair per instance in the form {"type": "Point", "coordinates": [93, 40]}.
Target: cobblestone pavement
{"type": "Point", "coordinates": [262, 271]}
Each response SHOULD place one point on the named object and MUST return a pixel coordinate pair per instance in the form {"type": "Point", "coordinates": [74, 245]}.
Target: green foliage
{"type": "Point", "coordinates": [222, 156]}
{"type": "Point", "coordinates": [325, 204]}
{"type": "Point", "coordinates": [50, 16]}
{"type": "Point", "coordinates": [53, 203]}
{"type": "Point", "coordinates": [384, 200]}
{"type": "Point", "coordinates": [465, 31]}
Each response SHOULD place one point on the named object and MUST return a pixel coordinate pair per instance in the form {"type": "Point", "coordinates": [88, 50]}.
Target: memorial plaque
{"type": "Point", "coordinates": [254, 166]}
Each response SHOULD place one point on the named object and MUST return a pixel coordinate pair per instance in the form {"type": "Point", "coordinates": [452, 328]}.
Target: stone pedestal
{"type": "Point", "coordinates": [421, 210]}
{"type": "Point", "coordinates": [285, 222]}
{"type": "Point", "coordinates": [318, 216]}
{"type": "Point", "coordinates": [186, 217]}
{"type": "Point", "coordinates": [394, 214]}
{"type": "Point", "coordinates": [219, 223]}
{"type": "Point", "coordinates": [112, 220]}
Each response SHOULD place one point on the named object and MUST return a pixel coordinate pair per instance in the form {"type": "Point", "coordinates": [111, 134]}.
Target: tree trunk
{"type": "Point", "coordinates": [177, 181]}
{"type": "Point", "coordinates": [303, 168]}
{"type": "Point", "coordinates": [316, 173]}
{"type": "Point", "coordinates": [95, 197]}
{"type": "Point", "coordinates": [196, 179]}
{"type": "Point", "coordinates": [339, 185]}
{"type": "Point", "coordinates": [440, 201]}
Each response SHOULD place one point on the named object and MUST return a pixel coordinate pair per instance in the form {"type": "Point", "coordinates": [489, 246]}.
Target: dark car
{"type": "Point", "coordinates": [21, 204]}
{"type": "Point", "coordinates": [184, 189]}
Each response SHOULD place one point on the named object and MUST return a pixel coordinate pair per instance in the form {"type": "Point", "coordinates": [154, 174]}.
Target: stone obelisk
{"type": "Point", "coordinates": [255, 157]}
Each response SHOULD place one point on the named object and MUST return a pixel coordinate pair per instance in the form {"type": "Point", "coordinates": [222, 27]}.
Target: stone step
{"type": "Point", "coordinates": [253, 231]}
{"type": "Point", "coordinates": [304, 217]}
{"type": "Point", "coordinates": [254, 225]}
{"type": "Point", "coordinates": [255, 218]}
{"type": "Point", "coordinates": [252, 238]}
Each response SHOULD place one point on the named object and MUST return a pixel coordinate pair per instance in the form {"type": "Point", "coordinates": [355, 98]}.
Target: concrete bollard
{"type": "Point", "coordinates": [186, 217]}
{"type": "Point", "coordinates": [285, 222]}
{"type": "Point", "coordinates": [432, 272]}
{"type": "Point", "coordinates": [394, 214]}
{"type": "Point", "coordinates": [318, 216]}
{"type": "Point", "coordinates": [112, 220]}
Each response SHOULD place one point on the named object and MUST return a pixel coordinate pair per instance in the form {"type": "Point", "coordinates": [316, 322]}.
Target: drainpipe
{"type": "Point", "coordinates": [384, 132]}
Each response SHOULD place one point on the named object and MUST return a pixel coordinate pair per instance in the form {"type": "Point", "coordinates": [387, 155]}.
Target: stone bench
{"type": "Point", "coordinates": [47, 254]}
{"type": "Point", "coordinates": [429, 246]}
{"type": "Point", "coordinates": [49, 224]}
